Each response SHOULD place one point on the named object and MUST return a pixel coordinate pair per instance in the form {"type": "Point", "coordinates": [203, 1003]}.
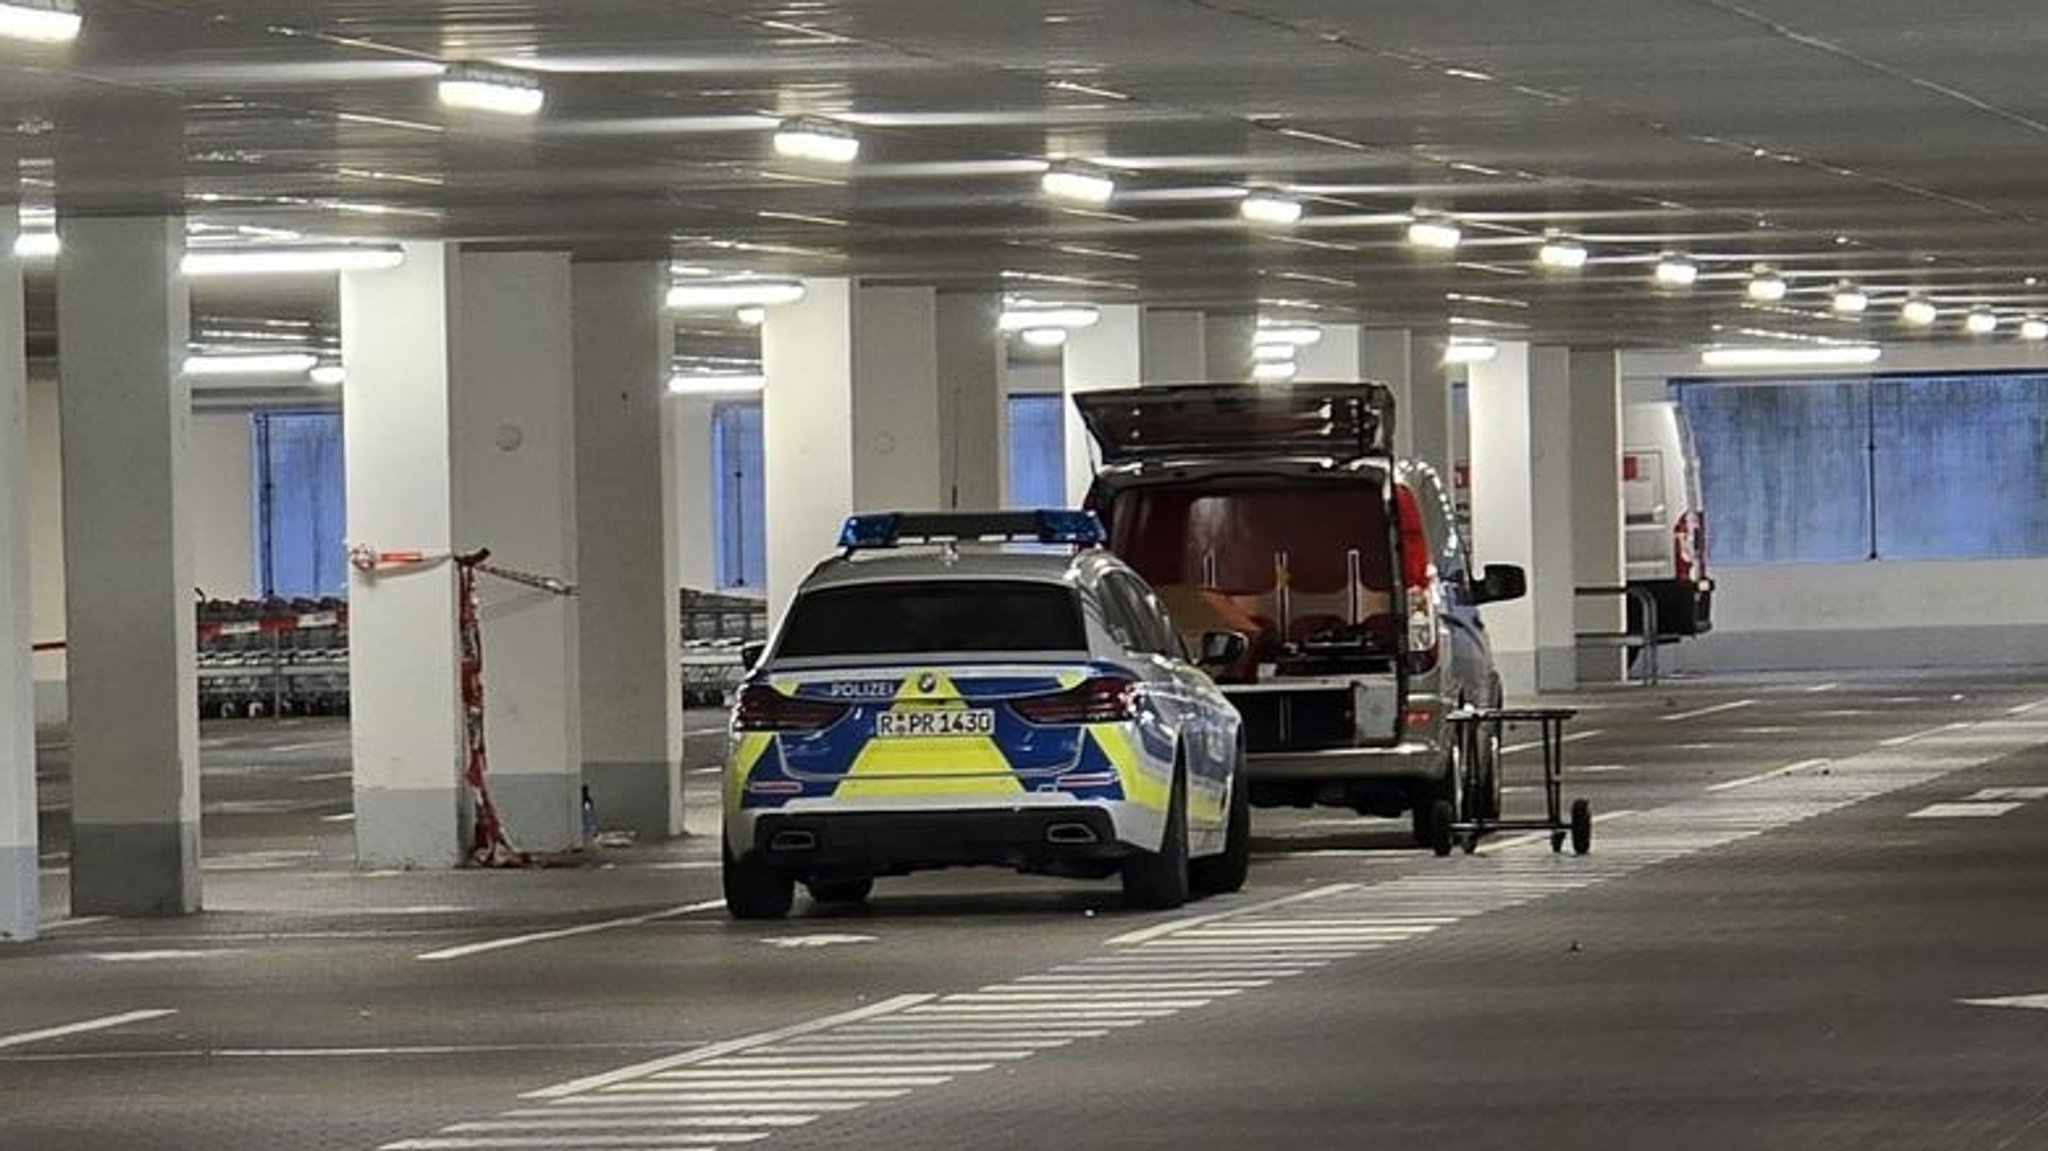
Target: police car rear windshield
{"type": "Point", "coordinates": [904, 618]}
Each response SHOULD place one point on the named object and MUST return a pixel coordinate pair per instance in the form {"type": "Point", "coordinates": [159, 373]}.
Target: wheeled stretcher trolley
{"type": "Point", "coordinates": [1470, 727]}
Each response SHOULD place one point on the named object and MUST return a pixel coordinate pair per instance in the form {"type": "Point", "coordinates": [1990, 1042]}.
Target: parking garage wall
{"type": "Point", "coordinates": [1878, 613]}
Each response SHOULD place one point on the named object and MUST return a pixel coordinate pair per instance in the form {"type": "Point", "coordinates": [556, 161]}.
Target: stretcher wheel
{"type": "Point", "coordinates": [1440, 819]}
{"type": "Point", "coordinates": [1582, 827]}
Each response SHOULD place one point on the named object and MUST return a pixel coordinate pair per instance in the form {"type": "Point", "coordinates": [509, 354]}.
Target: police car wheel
{"type": "Point", "coordinates": [1226, 871]}
{"type": "Point", "coordinates": [756, 890]}
{"type": "Point", "coordinates": [1158, 880]}
{"type": "Point", "coordinates": [840, 890]}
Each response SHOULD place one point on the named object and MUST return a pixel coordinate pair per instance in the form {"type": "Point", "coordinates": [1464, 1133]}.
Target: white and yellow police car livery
{"type": "Point", "coordinates": [936, 698]}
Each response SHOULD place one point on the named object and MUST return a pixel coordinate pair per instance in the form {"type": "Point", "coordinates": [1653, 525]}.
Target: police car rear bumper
{"type": "Point", "coordinates": [1028, 838]}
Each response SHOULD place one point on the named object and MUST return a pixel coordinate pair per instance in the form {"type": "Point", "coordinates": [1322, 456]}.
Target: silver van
{"type": "Point", "coordinates": [1280, 512]}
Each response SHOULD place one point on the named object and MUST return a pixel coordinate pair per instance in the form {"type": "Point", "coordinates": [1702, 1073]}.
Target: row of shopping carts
{"type": "Point", "coordinates": [273, 657]}
{"type": "Point", "coordinates": [278, 657]}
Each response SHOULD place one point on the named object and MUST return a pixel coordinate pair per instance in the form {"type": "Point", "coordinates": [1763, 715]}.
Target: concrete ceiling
{"type": "Point", "coordinates": [1899, 144]}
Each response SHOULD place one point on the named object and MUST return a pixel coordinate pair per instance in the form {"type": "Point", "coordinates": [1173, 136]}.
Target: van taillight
{"type": "Point", "coordinates": [1689, 547]}
{"type": "Point", "coordinates": [1103, 699]}
{"type": "Point", "coordinates": [1418, 580]}
{"type": "Point", "coordinates": [762, 708]}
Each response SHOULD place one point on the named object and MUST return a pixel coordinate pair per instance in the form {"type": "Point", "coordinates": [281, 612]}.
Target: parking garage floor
{"type": "Point", "coordinates": [1815, 916]}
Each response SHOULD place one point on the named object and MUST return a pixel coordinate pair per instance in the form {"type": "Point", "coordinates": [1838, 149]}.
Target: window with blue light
{"type": "Point", "coordinates": [300, 505]}
{"type": "Point", "coordinates": [739, 496]}
{"type": "Point", "coordinates": [1038, 452]}
{"type": "Point", "coordinates": [1908, 467]}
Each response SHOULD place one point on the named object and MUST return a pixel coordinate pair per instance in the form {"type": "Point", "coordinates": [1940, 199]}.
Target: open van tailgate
{"type": "Point", "coordinates": [1345, 421]}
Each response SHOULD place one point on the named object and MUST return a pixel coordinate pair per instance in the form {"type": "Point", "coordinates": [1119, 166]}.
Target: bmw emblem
{"type": "Point", "coordinates": [927, 683]}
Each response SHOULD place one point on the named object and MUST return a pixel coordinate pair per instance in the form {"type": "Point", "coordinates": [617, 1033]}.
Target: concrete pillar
{"type": "Point", "coordinates": [1339, 356]}
{"type": "Point", "coordinates": [1597, 525]}
{"type": "Point", "coordinates": [1521, 508]}
{"type": "Point", "coordinates": [405, 715]}
{"type": "Point", "coordinates": [223, 476]}
{"type": "Point", "coordinates": [46, 547]}
{"type": "Point", "coordinates": [1387, 355]}
{"type": "Point", "coordinates": [1174, 350]}
{"type": "Point", "coordinates": [846, 357]}
{"type": "Point", "coordinates": [458, 428]}
{"type": "Point", "coordinates": [1227, 339]}
{"type": "Point", "coordinates": [122, 320]}
{"type": "Point", "coordinates": [513, 442]}
{"type": "Point", "coordinates": [970, 378]}
{"type": "Point", "coordinates": [1107, 354]}
{"type": "Point", "coordinates": [627, 624]}
{"type": "Point", "coordinates": [18, 877]}
{"type": "Point", "coordinates": [686, 436]}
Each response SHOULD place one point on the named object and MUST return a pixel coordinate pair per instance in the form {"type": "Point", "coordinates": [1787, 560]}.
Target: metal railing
{"type": "Point", "coordinates": [1645, 639]}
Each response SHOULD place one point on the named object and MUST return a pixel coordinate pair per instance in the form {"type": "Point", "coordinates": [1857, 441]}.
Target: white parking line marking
{"type": "Point", "coordinates": [1902, 740]}
{"type": "Point", "coordinates": [78, 921]}
{"type": "Point", "coordinates": [1788, 769]}
{"type": "Point", "coordinates": [24, 1038]}
{"type": "Point", "coordinates": [562, 1142]}
{"type": "Point", "coordinates": [1704, 711]}
{"type": "Point", "coordinates": [1146, 934]}
{"type": "Point", "coordinates": [713, 1050]}
{"type": "Point", "coordinates": [1820, 687]}
{"type": "Point", "coordinates": [468, 949]}
{"type": "Point", "coordinates": [1574, 737]}
{"type": "Point", "coordinates": [2022, 794]}
{"type": "Point", "coordinates": [1544, 836]}
{"type": "Point", "coordinates": [1963, 810]}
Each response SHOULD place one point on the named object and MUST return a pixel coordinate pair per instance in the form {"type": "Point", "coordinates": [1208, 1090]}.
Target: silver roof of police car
{"type": "Point", "coordinates": [1045, 564]}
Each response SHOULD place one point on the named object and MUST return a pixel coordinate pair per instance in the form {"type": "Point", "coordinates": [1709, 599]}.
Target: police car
{"type": "Point", "coordinates": [938, 695]}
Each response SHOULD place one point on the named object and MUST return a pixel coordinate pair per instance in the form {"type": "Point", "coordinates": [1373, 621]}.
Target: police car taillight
{"type": "Point", "coordinates": [762, 708]}
{"type": "Point", "coordinates": [1418, 581]}
{"type": "Point", "coordinates": [1103, 699]}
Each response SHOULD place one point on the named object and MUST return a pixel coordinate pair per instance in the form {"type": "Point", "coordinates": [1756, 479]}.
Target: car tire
{"type": "Point", "coordinates": [1158, 880]}
{"type": "Point", "coordinates": [1225, 871]}
{"type": "Point", "coordinates": [1445, 792]}
{"type": "Point", "coordinates": [755, 889]}
{"type": "Point", "coordinates": [854, 890]}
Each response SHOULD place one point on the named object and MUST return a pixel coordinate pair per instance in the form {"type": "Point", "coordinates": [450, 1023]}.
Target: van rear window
{"type": "Point", "coordinates": [1235, 535]}
{"type": "Point", "coordinates": [909, 617]}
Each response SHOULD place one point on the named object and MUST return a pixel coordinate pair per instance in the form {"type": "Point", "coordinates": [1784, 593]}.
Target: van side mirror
{"type": "Point", "coordinates": [1222, 648]}
{"type": "Point", "coordinates": [1501, 582]}
{"type": "Point", "coordinates": [750, 654]}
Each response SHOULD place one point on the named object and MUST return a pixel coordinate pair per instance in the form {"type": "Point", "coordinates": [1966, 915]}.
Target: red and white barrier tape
{"type": "Point", "coordinates": [490, 845]}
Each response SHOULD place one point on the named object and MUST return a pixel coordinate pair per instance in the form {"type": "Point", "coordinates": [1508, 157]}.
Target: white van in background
{"type": "Point", "coordinates": [1664, 520]}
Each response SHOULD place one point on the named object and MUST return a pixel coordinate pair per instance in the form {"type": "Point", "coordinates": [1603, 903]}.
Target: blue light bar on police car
{"type": "Point", "coordinates": [1044, 525]}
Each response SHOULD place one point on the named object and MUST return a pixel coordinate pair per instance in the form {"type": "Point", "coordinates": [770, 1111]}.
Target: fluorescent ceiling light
{"type": "Point", "coordinates": [1273, 373]}
{"type": "Point", "coordinates": [1077, 185]}
{"type": "Point", "coordinates": [274, 261]}
{"type": "Point", "coordinates": [328, 375]}
{"type": "Point", "coordinates": [1981, 322]}
{"type": "Point", "coordinates": [808, 139]}
{"type": "Point", "coordinates": [1564, 255]}
{"type": "Point", "coordinates": [1267, 208]}
{"type": "Point", "coordinates": [40, 21]}
{"type": "Point", "coordinates": [719, 295]}
{"type": "Point", "coordinates": [1437, 235]}
{"type": "Point", "coordinates": [753, 315]}
{"type": "Point", "coordinates": [1918, 312]}
{"type": "Point", "coordinates": [2034, 329]}
{"type": "Point", "coordinates": [1298, 335]}
{"type": "Point", "coordinates": [1470, 351]}
{"type": "Point", "coordinates": [685, 384]}
{"type": "Point", "coordinates": [1843, 355]}
{"type": "Point", "coordinates": [1850, 300]}
{"type": "Point", "coordinates": [262, 364]}
{"type": "Point", "coordinates": [1024, 317]}
{"type": "Point", "coordinates": [1044, 337]}
{"type": "Point", "coordinates": [488, 90]}
{"type": "Point", "coordinates": [37, 245]}
{"type": "Point", "coordinates": [1767, 287]}
{"type": "Point", "coordinates": [1677, 272]}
